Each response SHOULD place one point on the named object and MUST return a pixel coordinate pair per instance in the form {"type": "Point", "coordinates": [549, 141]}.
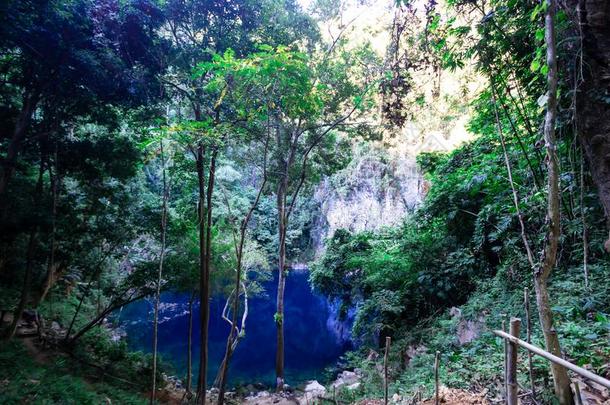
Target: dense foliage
{"type": "Point", "coordinates": [177, 145]}
{"type": "Point", "coordinates": [463, 247]}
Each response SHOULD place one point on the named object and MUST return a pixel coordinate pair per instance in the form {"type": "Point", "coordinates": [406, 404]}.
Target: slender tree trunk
{"type": "Point", "coordinates": [205, 245]}
{"type": "Point", "coordinates": [92, 323]}
{"type": "Point", "coordinates": [549, 257]}
{"type": "Point", "coordinates": [27, 284]}
{"type": "Point", "coordinates": [203, 286]}
{"type": "Point", "coordinates": [159, 275]}
{"type": "Point", "coordinates": [100, 317]}
{"type": "Point", "coordinates": [528, 339]}
{"type": "Point", "coordinates": [80, 304]}
{"type": "Point", "coordinates": [27, 279]}
{"type": "Point", "coordinates": [189, 343]}
{"type": "Point", "coordinates": [521, 145]}
{"type": "Point", "coordinates": [98, 269]}
{"type": "Point", "coordinates": [561, 381]}
{"type": "Point", "coordinates": [230, 347]}
{"type": "Point", "coordinates": [53, 269]}
{"type": "Point", "coordinates": [233, 334]}
{"type": "Point", "coordinates": [233, 337]}
{"type": "Point", "coordinates": [30, 101]}
{"type": "Point", "coordinates": [281, 285]}
{"type": "Point", "coordinates": [583, 217]}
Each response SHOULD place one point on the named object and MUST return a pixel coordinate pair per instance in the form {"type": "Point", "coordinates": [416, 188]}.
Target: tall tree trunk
{"type": "Point", "coordinates": [78, 307]}
{"type": "Point", "coordinates": [592, 83]}
{"type": "Point", "coordinates": [231, 343]}
{"type": "Point", "coordinates": [561, 380]}
{"type": "Point", "coordinates": [233, 337]}
{"type": "Point", "coordinates": [189, 344]}
{"type": "Point", "coordinates": [27, 284]}
{"type": "Point", "coordinates": [100, 317]}
{"type": "Point", "coordinates": [205, 246]}
{"type": "Point", "coordinates": [96, 269]}
{"type": "Point", "coordinates": [281, 285]}
{"type": "Point", "coordinates": [53, 269]}
{"type": "Point", "coordinates": [30, 102]}
{"type": "Point", "coordinates": [159, 275]}
{"type": "Point", "coordinates": [203, 285]}
{"type": "Point", "coordinates": [583, 217]}
{"type": "Point", "coordinates": [27, 279]}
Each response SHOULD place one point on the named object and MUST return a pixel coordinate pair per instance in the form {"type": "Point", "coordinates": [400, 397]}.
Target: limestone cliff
{"type": "Point", "coordinates": [374, 191]}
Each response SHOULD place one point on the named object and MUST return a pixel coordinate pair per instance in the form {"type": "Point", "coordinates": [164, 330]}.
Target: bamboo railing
{"type": "Point", "coordinates": [510, 366]}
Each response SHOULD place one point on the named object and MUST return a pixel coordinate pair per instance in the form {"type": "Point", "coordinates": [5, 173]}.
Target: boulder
{"type": "Point", "coordinates": [353, 386]}
{"type": "Point", "coordinates": [467, 330]}
{"type": "Point", "coordinates": [259, 395]}
{"type": "Point", "coordinates": [347, 379]}
{"type": "Point", "coordinates": [315, 387]}
{"type": "Point", "coordinates": [313, 390]}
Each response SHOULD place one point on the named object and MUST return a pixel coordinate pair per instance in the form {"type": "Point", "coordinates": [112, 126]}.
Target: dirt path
{"type": "Point", "coordinates": [448, 396]}
{"type": "Point", "coordinates": [40, 356]}
{"type": "Point", "coordinates": [452, 396]}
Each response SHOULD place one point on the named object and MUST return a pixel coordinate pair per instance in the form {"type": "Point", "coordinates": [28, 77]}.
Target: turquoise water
{"type": "Point", "coordinates": [314, 340]}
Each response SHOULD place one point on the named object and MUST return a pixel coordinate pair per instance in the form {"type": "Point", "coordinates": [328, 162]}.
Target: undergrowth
{"type": "Point", "coordinates": [60, 381]}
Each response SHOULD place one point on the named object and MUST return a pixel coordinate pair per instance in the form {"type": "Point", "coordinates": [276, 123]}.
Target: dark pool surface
{"type": "Point", "coordinates": [314, 340]}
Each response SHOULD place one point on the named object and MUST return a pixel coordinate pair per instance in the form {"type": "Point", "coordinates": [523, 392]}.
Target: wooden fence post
{"type": "Point", "coordinates": [578, 396]}
{"type": "Point", "coordinates": [436, 364]}
{"type": "Point", "coordinates": [385, 370]}
{"type": "Point", "coordinates": [505, 365]}
{"type": "Point", "coordinates": [528, 339]}
{"type": "Point", "coordinates": [511, 380]}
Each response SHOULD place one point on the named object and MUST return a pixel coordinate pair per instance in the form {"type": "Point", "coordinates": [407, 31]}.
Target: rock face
{"type": "Point", "coordinates": [467, 330]}
{"type": "Point", "coordinates": [340, 326]}
{"type": "Point", "coordinates": [374, 191]}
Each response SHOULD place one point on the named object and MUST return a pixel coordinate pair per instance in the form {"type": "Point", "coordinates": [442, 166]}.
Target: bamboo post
{"type": "Point", "coordinates": [512, 397]}
{"type": "Point", "coordinates": [528, 339]}
{"type": "Point", "coordinates": [505, 366]}
{"type": "Point", "coordinates": [436, 364]}
{"type": "Point", "coordinates": [578, 396]}
{"type": "Point", "coordinates": [385, 370]}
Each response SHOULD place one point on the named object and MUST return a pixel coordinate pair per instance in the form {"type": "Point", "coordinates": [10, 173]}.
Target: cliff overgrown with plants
{"type": "Point", "coordinates": [446, 277]}
{"type": "Point", "coordinates": [463, 248]}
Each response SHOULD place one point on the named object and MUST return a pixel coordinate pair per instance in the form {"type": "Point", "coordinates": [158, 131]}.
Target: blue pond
{"type": "Point", "coordinates": [314, 338]}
